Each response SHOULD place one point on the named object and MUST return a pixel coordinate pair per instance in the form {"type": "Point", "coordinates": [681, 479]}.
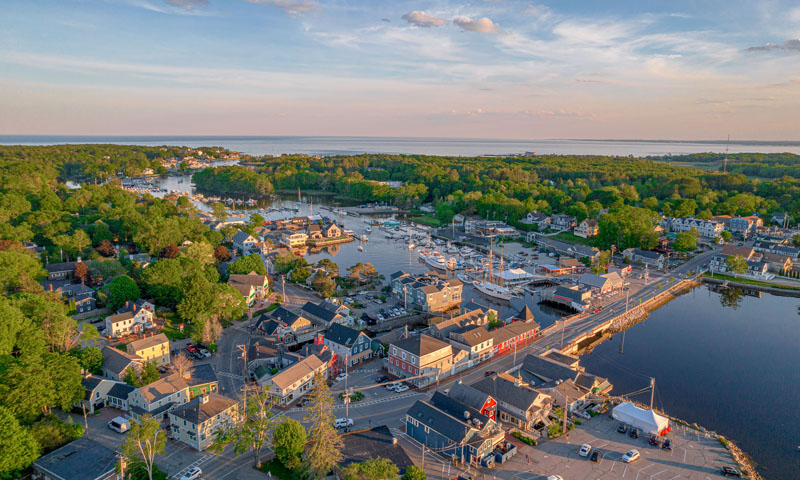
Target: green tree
{"type": "Point", "coordinates": [149, 373]}
{"type": "Point", "coordinates": [726, 235]}
{"type": "Point", "coordinates": [144, 441]}
{"type": "Point", "coordinates": [219, 211]}
{"type": "Point", "coordinates": [18, 449]}
{"type": "Point", "coordinates": [796, 239]}
{"type": "Point", "coordinates": [374, 469]}
{"type": "Point", "coordinates": [414, 472]}
{"type": "Point", "coordinates": [600, 265]}
{"type": "Point", "coordinates": [287, 263]}
{"type": "Point", "coordinates": [123, 289]}
{"type": "Point", "coordinates": [91, 359]}
{"type": "Point", "coordinates": [685, 242]}
{"type": "Point", "coordinates": [736, 264]}
{"type": "Point", "coordinates": [202, 252]}
{"type": "Point", "coordinates": [628, 227]}
{"type": "Point", "coordinates": [323, 284]}
{"type": "Point", "coordinates": [251, 432]}
{"type": "Point", "coordinates": [20, 272]}
{"type": "Point", "coordinates": [300, 274]}
{"type": "Point", "coordinates": [329, 266]}
{"type": "Point", "coordinates": [288, 442]}
{"type": "Point", "coordinates": [324, 449]}
{"type": "Point", "coordinates": [250, 263]}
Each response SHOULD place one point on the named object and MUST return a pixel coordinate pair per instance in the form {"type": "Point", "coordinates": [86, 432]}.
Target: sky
{"type": "Point", "coordinates": [624, 69]}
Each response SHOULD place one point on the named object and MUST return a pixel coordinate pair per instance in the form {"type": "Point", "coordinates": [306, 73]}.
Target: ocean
{"type": "Point", "coordinates": [276, 145]}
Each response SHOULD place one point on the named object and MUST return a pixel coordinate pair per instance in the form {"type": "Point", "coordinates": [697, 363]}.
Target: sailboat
{"type": "Point", "coordinates": [411, 243]}
{"type": "Point", "coordinates": [490, 288]}
{"type": "Point", "coordinates": [299, 201]}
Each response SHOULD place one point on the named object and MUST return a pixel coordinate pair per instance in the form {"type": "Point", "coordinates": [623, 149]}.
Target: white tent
{"type": "Point", "coordinates": [646, 420]}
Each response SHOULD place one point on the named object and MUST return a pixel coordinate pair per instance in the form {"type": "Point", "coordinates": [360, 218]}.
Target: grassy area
{"type": "Point", "coordinates": [275, 468]}
{"type": "Point", "coordinates": [572, 238]}
{"type": "Point", "coordinates": [428, 220]}
{"type": "Point", "coordinates": [172, 326]}
{"type": "Point", "coordinates": [749, 281]}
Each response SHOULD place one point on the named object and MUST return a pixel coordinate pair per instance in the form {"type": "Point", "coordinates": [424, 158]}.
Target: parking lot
{"type": "Point", "coordinates": [693, 456]}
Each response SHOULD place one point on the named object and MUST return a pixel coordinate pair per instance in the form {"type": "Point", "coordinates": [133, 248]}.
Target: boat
{"type": "Point", "coordinates": [452, 249]}
{"type": "Point", "coordinates": [452, 264]}
{"type": "Point", "coordinates": [464, 278]}
{"type": "Point", "coordinates": [363, 238]}
{"type": "Point", "coordinates": [467, 251]}
{"type": "Point", "coordinates": [495, 291]}
{"type": "Point", "coordinates": [411, 246]}
{"type": "Point", "coordinates": [369, 229]}
{"type": "Point", "coordinates": [436, 261]}
{"type": "Point", "coordinates": [360, 248]}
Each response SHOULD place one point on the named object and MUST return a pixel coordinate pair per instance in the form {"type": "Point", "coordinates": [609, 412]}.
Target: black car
{"type": "Point", "coordinates": [305, 401]}
{"type": "Point", "coordinates": [595, 456]}
{"type": "Point", "coordinates": [634, 433]}
{"type": "Point", "coordinates": [653, 441]}
{"type": "Point", "coordinates": [382, 379]}
{"type": "Point", "coordinates": [730, 472]}
{"type": "Point", "coordinates": [622, 428]}
{"type": "Point", "coordinates": [489, 373]}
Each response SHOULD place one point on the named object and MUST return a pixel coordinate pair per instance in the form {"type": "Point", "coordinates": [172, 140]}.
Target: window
{"type": "Point", "coordinates": [404, 355]}
{"type": "Point", "coordinates": [394, 350]}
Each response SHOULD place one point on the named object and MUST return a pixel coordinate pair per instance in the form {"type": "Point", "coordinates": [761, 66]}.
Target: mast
{"type": "Point", "coordinates": [298, 195]}
{"type": "Point", "coordinates": [501, 266]}
{"type": "Point", "coordinates": [652, 391]}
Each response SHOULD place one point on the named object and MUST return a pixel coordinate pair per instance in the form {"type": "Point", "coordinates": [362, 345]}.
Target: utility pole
{"type": "Point", "coordinates": [283, 285]}
{"type": "Point", "coordinates": [423, 457]}
{"type": "Point", "coordinates": [85, 422]}
{"type": "Point", "coordinates": [346, 395]}
{"type": "Point", "coordinates": [652, 391]}
{"type": "Point", "coordinates": [243, 349]}
{"type": "Point", "coordinates": [566, 408]}
{"type": "Point", "coordinates": [515, 354]}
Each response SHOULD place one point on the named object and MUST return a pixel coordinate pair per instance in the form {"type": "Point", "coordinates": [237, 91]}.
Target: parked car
{"type": "Point", "coordinates": [622, 428]}
{"type": "Point", "coordinates": [730, 471]}
{"type": "Point", "coordinates": [489, 373]}
{"type": "Point", "coordinates": [343, 422]}
{"type": "Point", "coordinates": [585, 415]}
{"type": "Point", "coordinates": [401, 388]}
{"type": "Point", "coordinates": [341, 377]}
{"type": "Point", "coordinates": [304, 401]}
{"type": "Point", "coordinates": [205, 353]}
{"type": "Point", "coordinates": [381, 379]}
{"type": "Point", "coordinates": [595, 456]}
{"type": "Point", "coordinates": [394, 385]}
{"type": "Point", "coordinates": [631, 456]}
{"type": "Point", "coordinates": [634, 433]}
{"type": "Point", "coordinates": [653, 441]}
{"type": "Point", "coordinates": [193, 474]}
{"type": "Point", "coordinates": [667, 444]}
{"type": "Point", "coordinates": [585, 449]}
{"type": "Point", "coordinates": [555, 477]}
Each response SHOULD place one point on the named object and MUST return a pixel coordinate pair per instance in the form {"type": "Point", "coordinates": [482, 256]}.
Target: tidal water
{"type": "Point", "coordinates": [727, 361]}
{"type": "Point", "coordinates": [276, 145]}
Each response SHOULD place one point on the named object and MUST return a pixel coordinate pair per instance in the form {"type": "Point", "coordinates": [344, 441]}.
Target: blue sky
{"type": "Point", "coordinates": [490, 69]}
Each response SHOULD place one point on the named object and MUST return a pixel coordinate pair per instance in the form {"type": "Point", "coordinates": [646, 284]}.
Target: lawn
{"type": "Point", "coordinates": [428, 220]}
{"type": "Point", "coordinates": [572, 238]}
{"type": "Point", "coordinates": [276, 469]}
{"type": "Point", "coordinates": [172, 327]}
{"type": "Point", "coordinates": [750, 281]}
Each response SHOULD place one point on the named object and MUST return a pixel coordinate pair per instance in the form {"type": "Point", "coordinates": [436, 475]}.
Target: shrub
{"type": "Point", "coordinates": [525, 439]}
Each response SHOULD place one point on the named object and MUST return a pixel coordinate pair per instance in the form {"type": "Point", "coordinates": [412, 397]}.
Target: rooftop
{"type": "Point", "coordinates": [287, 377]}
{"type": "Point", "coordinates": [83, 459]}
{"type": "Point", "coordinates": [378, 442]}
{"type": "Point", "coordinates": [203, 408]}
{"type": "Point", "coordinates": [420, 345]}
{"type": "Point", "coordinates": [148, 342]}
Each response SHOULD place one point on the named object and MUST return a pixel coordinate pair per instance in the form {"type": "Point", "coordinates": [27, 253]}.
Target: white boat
{"type": "Point", "coordinates": [452, 263]}
{"type": "Point", "coordinates": [452, 249]}
{"type": "Point", "coordinates": [369, 229]}
{"type": "Point", "coordinates": [467, 251]}
{"type": "Point", "coordinates": [495, 291]}
{"type": "Point", "coordinates": [360, 248]}
{"type": "Point", "coordinates": [464, 278]}
{"type": "Point", "coordinates": [411, 246]}
{"type": "Point", "coordinates": [436, 261]}
{"type": "Point", "coordinates": [364, 238]}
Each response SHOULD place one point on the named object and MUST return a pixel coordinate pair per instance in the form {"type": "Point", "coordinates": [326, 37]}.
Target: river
{"type": "Point", "coordinates": [276, 145]}
{"type": "Point", "coordinates": [726, 361]}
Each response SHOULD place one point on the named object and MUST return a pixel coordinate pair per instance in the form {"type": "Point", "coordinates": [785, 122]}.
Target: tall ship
{"type": "Point", "coordinates": [490, 289]}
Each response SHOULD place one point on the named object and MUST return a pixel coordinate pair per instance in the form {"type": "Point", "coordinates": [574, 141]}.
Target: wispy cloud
{"type": "Point", "coordinates": [481, 25]}
{"type": "Point", "coordinates": [187, 4]}
{"type": "Point", "coordinates": [787, 46]}
{"type": "Point", "coordinates": [423, 19]}
{"type": "Point", "coordinates": [292, 7]}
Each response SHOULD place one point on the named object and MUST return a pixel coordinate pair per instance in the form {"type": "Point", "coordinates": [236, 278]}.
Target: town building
{"type": "Point", "coordinates": [553, 367]}
{"type": "Point", "coordinates": [506, 338]}
{"type": "Point", "coordinates": [605, 283]}
{"type": "Point", "coordinates": [83, 459]}
{"type": "Point", "coordinates": [349, 345]}
{"type": "Point", "coordinates": [158, 397]}
{"type": "Point", "coordinates": [96, 389]}
{"type": "Point", "coordinates": [118, 395]}
{"type": "Point", "coordinates": [587, 228]}
{"type": "Point", "coordinates": [260, 283]}
{"type": "Point", "coordinates": [132, 318]}
{"type": "Point", "coordinates": [378, 442]}
{"type": "Point", "coordinates": [116, 362]}
{"type": "Point", "coordinates": [420, 355]}
{"type": "Point", "coordinates": [325, 313]}
{"type": "Point", "coordinates": [476, 340]}
{"type": "Point", "coordinates": [288, 326]}
{"type": "Point", "coordinates": [60, 271]}
{"type": "Point", "coordinates": [196, 422]}
{"type": "Point", "coordinates": [201, 379]}
{"type": "Point", "coordinates": [571, 297]}
{"type": "Point", "coordinates": [244, 241]}
{"type": "Point", "coordinates": [560, 221]}
{"type": "Point", "coordinates": [293, 239]}
{"type": "Point", "coordinates": [541, 220]}
{"type": "Point", "coordinates": [644, 257]}
{"type": "Point", "coordinates": [295, 381]}
{"type": "Point", "coordinates": [755, 268]}
{"type": "Point", "coordinates": [154, 348]}
{"type": "Point", "coordinates": [430, 292]}
{"type": "Point", "coordinates": [745, 225]}
{"type": "Point", "coordinates": [706, 228]}
{"type": "Point", "coordinates": [80, 294]}
{"type": "Point", "coordinates": [518, 403]}
{"type": "Point", "coordinates": [442, 329]}
{"type": "Point", "coordinates": [777, 263]}
{"type": "Point", "coordinates": [453, 429]}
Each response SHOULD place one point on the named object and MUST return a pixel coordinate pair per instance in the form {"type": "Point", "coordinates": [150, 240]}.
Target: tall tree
{"type": "Point", "coordinates": [251, 432]}
{"type": "Point", "coordinates": [18, 449]}
{"type": "Point", "coordinates": [374, 469]}
{"type": "Point", "coordinates": [182, 363]}
{"type": "Point", "coordinates": [288, 442]}
{"type": "Point", "coordinates": [145, 440]}
{"type": "Point", "coordinates": [81, 272]}
{"type": "Point", "coordinates": [221, 254]}
{"type": "Point", "coordinates": [736, 264]}
{"type": "Point", "coordinates": [250, 263]}
{"type": "Point", "coordinates": [324, 450]}
{"type": "Point", "coordinates": [414, 472]}
{"type": "Point", "coordinates": [123, 289]}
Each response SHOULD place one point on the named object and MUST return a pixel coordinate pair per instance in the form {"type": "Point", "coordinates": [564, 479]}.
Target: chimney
{"type": "Point", "coordinates": [517, 382]}
{"type": "Point", "coordinates": [134, 307]}
{"type": "Point", "coordinates": [394, 441]}
{"type": "Point", "coordinates": [51, 287]}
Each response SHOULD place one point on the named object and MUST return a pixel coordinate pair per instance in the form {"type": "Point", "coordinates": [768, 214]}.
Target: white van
{"type": "Point", "coordinates": [119, 425]}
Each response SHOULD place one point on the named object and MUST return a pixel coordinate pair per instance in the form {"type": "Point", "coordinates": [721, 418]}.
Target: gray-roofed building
{"type": "Point", "coordinates": [378, 442]}
{"type": "Point", "coordinates": [83, 459]}
{"type": "Point", "coordinates": [115, 362]}
{"type": "Point", "coordinates": [573, 298]}
{"type": "Point", "coordinates": [476, 339]}
{"type": "Point", "coordinates": [295, 381]}
{"type": "Point", "coordinates": [646, 257]}
{"type": "Point", "coordinates": [96, 390]}
{"type": "Point", "coordinates": [430, 292]}
{"type": "Point", "coordinates": [475, 399]}
{"type": "Point", "coordinates": [348, 345]}
{"type": "Point", "coordinates": [518, 403]}
{"type": "Point", "coordinates": [195, 423]}
{"type": "Point", "coordinates": [244, 241]}
{"type": "Point", "coordinates": [60, 271]}
{"type": "Point", "coordinates": [324, 313]}
{"type": "Point", "coordinates": [601, 283]}
{"type": "Point", "coordinates": [541, 371]}
{"type": "Point", "coordinates": [473, 317]}
{"type": "Point", "coordinates": [420, 355]}
{"type": "Point", "coordinates": [201, 379]}
{"type": "Point", "coordinates": [118, 395]}
{"type": "Point", "coordinates": [158, 397]}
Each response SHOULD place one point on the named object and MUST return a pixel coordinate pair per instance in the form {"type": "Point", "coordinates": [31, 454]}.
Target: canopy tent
{"type": "Point", "coordinates": [646, 420]}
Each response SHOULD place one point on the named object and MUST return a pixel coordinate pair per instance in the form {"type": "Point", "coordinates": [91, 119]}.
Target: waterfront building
{"type": "Point", "coordinates": [587, 228]}
{"type": "Point", "coordinates": [196, 422]}
{"type": "Point", "coordinates": [476, 340]}
{"type": "Point", "coordinates": [442, 329]}
{"type": "Point", "coordinates": [348, 343]}
{"type": "Point", "coordinates": [518, 404]}
{"type": "Point", "coordinates": [244, 241]}
{"type": "Point", "coordinates": [154, 348]}
{"type": "Point", "coordinates": [430, 292]}
{"type": "Point", "coordinates": [420, 355]}
{"type": "Point", "coordinates": [645, 257]}
{"type": "Point", "coordinates": [605, 283]}
{"type": "Point", "coordinates": [507, 337]}
{"type": "Point", "coordinates": [553, 367]}
{"type": "Point", "coordinates": [571, 297]}
{"type": "Point", "coordinates": [755, 268]}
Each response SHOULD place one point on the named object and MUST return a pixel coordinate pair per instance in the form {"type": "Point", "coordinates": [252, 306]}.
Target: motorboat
{"type": "Point", "coordinates": [411, 246]}
{"type": "Point", "coordinates": [436, 261]}
{"type": "Point", "coordinates": [363, 238]}
{"type": "Point", "coordinates": [452, 249]}
{"type": "Point", "coordinates": [360, 248]}
{"type": "Point", "coordinates": [495, 291]}
{"type": "Point", "coordinates": [452, 263]}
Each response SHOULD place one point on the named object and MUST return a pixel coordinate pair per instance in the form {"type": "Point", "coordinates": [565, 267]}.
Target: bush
{"type": "Point", "coordinates": [525, 439]}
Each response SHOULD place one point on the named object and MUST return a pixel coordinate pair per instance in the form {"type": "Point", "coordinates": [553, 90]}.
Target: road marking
{"type": "Point", "coordinates": [657, 474]}
{"type": "Point", "coordinates": [196, 463]}
{"type": "Point", "coordinates": [626, 470]}
{"type": "Point", "coordinates": [230, 375]}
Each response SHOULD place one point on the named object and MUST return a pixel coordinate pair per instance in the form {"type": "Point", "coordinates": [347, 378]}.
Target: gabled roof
{"type": "Point", "coordinates": [525, 314]}
{"type": "Point", "coordinates": [516, 329]}
{"type": "Point", "coordinates": [297, 371]}
{"type": "Point", "coordinates": [89, 383]}
{"type": "Point", "coordinates": [421, 345]}
{"type": "Point", "coordinates": [121, 390]}
{"type": "Point", "coordinates": [60, 267]}
{"type": "Point", "coordinates": [473, 317]}
{"type": "Point", "coordinates": [200, 375]}
{"type": "Point", "coordinates": [471, 335]}
{"type": "Point", "coordinates": [358, 447]}
{"type": "Point", "coordinates": [545, 370]}
{"type": "Point", "coordinates": [197, 411]}
{"type": "Point", "coordinates": [342, 335]}
{"type": "Point", "coordinates": [468, 396]}
{"type": "Point", "coordinates": [117, 361]}
{"type": "Point", "coordinates": [241, 237]}
{"type": "Point", "coordinates": [83, 459]}
{"type": "Point", "coordinates": [321, 311]}
{"type": "Point", "coordinates": [163, 387]}
{"type": "Point", "coordinates": [251, 278]}
{"type": "Point", "coordinates": [504, 388]}
{"type": "Point", "coordinates": [148, 342]}
{"type": "Point", "coordinates": [284, 315]}
{"type": "Point", "coordinates": [457, 409]}
{"type": "Point", "coordinates": [120, 317]}
{"type": "Point", "coordinates": [451, 427]}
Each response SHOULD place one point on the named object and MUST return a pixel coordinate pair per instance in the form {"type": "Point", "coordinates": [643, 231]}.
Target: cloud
{"type": "Point", "coordinates": [187, 4]}
{"type": "Point", "coordinates": [423, 19]}
{"type": "Point", "coordinates": [541, 11]}
{"type": "Point", "coordinates": [386, 20]}
{"type": "Point", "coordinates": [787, 46]}
{"type": "Point", "coordinates": [481, 25]}
{"type": "Point", "coordinates": [292, 7]}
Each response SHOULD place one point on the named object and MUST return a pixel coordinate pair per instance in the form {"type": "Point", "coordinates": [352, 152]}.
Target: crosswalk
{"type": "Point", "coordinates": [230, 375]}
{"type": "Point", "coordinates": [367, 403]}
{"type": "Point", "coordinates": [200, 461]}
